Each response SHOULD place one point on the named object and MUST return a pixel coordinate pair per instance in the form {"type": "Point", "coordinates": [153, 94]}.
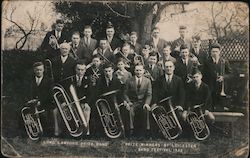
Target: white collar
{"type": "Point", "coordinates": [168, 76]}
{"type": "Point", "coordinates": [63, 59]}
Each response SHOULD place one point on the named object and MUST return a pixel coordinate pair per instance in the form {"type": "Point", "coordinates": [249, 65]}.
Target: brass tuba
{"type": "Point", "coordinates": [70, 109]}
{"type": "Point", "coordinates": [112, 123]}
{"type": "Point", "coordinates": [167, 121]}
{"type": "Point", "coordinates": [197, 123]}
{"type": "Point", "coordinates": [32, 123]}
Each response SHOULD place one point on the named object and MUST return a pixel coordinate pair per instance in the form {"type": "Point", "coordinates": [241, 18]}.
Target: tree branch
{"type": "Point", "coordinates": [121, 15]}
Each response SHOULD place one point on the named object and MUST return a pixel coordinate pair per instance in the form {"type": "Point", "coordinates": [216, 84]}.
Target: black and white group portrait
{"type": "Point", "coordinates": [125, 79]}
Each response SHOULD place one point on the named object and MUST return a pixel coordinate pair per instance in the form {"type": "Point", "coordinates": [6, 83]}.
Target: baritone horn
{"type": "Point", "coordinates": [197, 122]}
{"type": "Point", "coordinates": [32, 123]}
{"type": "Point", "coordinates": [70, 109]}
{"type": "Point", "coordinates": [112, 123]}
{"type": "Point", "coordinates": [167, 121]}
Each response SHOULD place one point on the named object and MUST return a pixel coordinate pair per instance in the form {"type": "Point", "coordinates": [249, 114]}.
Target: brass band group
{"type": "Point", "coordinates": [117, 87]}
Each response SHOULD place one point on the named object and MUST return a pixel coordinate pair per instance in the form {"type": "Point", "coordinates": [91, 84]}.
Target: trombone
{"type": "Point", "coordinates": [197, 123]}
{"type": "Point", "coordinates": [167, 121]}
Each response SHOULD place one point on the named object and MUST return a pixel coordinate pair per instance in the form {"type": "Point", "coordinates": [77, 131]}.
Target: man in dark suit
{"type": "Point", "coordinates": [152, 67]}
{"type": "Point", "coordinates": [180, 41]}
{"type": "Point", "coordinates": [133, 41]}
{"type": "Point", "coordinates": [156, 42]}
{"type": "Point", "coordinates": [113, 41]}
{"type": "Point", "coordinates": [89, 44]}
{"type": "Point", "coordinates": [184, 65]}
{"type": "Point", "coordinates": [216, 71]}
{"type": "Point", "coordinates": [48, 46]}
{"type": "Point", "coordinates": [77, 47]}
{"type": "Point", "coordinates": [197, 51]}
{"type": "Point", "coordinates": [138, 95]}
{"type": "Point", "coordinates": [104, 51]}
{"type": "Point", "coordinates": [41, 89]}
{"type": "Point", "coordinates": [63, 65]}
{"type": "Point", "coordinates": [107, 83]}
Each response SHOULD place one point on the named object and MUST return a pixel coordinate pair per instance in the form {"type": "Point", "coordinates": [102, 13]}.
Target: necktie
{"type": "Point", "coordinates": [169, 80]}
{"type": "Point", "coordinates": [138, 84]}
{"type": "Point", "coordinates": [79, 82]}
{"type": "Point", "coordinates": [38, 81]}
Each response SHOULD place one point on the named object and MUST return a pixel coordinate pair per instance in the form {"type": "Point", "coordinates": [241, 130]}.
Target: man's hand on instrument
{"type": "Point", "coordinates": [147, 107]}
{"type": "Point", "coordinates": [128, 105]}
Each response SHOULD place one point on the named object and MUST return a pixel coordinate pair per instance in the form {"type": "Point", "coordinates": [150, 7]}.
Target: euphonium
{"type": "Point", "coordinates": [198, 124]}
{"type": "Point", "coordinates": [167, 121]}
{"type": "Point", "coordinates": [70, 108]}
{"type": "Point", "coordinates": [32, 123]}
{"type": "Point", "coordinates": [113, 126]}
{"type": "Point", "coordinates": [53, 42]}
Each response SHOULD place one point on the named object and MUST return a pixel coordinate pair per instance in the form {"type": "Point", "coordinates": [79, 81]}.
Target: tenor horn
{"type": "Point", "coordinates": [167, 121]}
{"type": "Point", "coordinates": [197, 122]}
{"type": "Point", "coordinates": [32, 123]}
{"type": "Point", "coordinates": [70, 109]}
{"type": "Point", "coordinates": [113, 126]}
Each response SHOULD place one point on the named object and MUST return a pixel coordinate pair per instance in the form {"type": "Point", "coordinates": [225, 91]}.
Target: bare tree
{"type": "Point", "coordinates": [34, 20]}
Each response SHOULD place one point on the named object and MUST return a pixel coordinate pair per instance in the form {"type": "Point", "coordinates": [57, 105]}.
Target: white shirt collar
{"type": "Point", "coordinates": [39, 79]}
{"type": "Point", "coordinates": [64, 58]}
{"type": "Point", "coordinates": [168, 76]}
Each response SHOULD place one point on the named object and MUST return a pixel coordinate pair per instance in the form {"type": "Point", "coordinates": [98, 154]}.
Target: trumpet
{"type": "Point", "coordinates": [70, 108]}
{"type": "Point", "coordinates": [197, 123]}
{"type": "Point", "coordinates": [113, 127]}
{"type": "Point", "coordinates": [49, 69]}
{"type": "Point", "coordinates": [222, 70]}
{"type": "Point", "coordinates": [53, 42]}
{"type": "Point", "coordinates": [32, 123]}
{"type": "Point", "coordinates": [167, 121]}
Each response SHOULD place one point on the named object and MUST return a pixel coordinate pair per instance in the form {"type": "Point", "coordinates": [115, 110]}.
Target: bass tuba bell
{"type": "Point", "coordinates": [197, 122]}
{"type": "Point", "coordinates": [167, 121]}
{"type": "Point", "coordinates": [70, 109]}
{"type": "Point", "coordinates": [32, 123]}
{"type": "Point", "coordinates": [111, 120]}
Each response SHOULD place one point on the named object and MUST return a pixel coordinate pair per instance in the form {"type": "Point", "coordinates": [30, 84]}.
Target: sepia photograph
{"type": "Point", "coordinates": [125, 79]}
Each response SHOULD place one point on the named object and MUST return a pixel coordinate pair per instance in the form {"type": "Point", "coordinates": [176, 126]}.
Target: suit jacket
{"type": "Point", "coordinates": [138, 47]}
{"type": "Point", "coordinates": [198, 96]}
{"type": "Point", "coordinates": [176, 44]}
{"type": "Point", "coordinates": [63, 70]}
{"type": "Point", "coordinates": [156, 72]}
{"type": "Point", "coordinates": [45, 44]}
{"type": "Point", "coordinates": [211, 70]}
{"type": "Point", "coordinates": [77, 53]}
{"type": "Point", "coordinates": [182, 70]}
{"type": "Point", "coordinates": [115, 43]}
{"type": "Point", "coordinates": [43, 92]}
{"type": "Point", "coordinates": [107, 53]}
{"type": "Point", "coordinates": [161, 44]}
{"type": "Point", "coordinates": [174, 89]}
{"type": "Point", "coordinates": [83, 89]}
{"type": "Point", "coordinates": [88, 50]}
{"type": "Point", "coordinates": [141, 96]}
{"type": "Point", "coordinates": [102, 86]}
{"type": "Point", "coordinates": [202, 56]}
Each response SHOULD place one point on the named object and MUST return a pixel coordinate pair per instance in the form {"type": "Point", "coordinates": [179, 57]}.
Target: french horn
{"type": "Point", "coordinates": [197, 122]}
{"type": "Point", "coordinates": [167, 121]}
{"type": "Point", "coordinates": [32, 123]}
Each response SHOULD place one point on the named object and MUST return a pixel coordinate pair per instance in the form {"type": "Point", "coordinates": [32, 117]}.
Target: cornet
{"type": "Point", "coordinates": [222, 70]}
{"type": "Point", "coordinates": [197, 123]}
{"type": "Point", "coordinates": [53, 42]}
{"type": "Point", "coordinates": [167, 121]}
{"type": "Point", "coordinates": [32, 123]}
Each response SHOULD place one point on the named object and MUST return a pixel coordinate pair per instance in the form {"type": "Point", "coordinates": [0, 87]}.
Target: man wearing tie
{"type": "Point", "coordinates": [89, 44]}
{"type": "Point", "coordinates": [63, 65]}
{"type": "Point", "coordinates": [104, 50]}
{"type": "Point", "coordinates": [113, 41]}
{"type": "Point", "coordinates": [52, 50]}
{"type": "Point", "coordinates": [156, 42]}
{"type": "Point", "coordinates": [41, 89]}
{"type": "Point", "coordinates": [184, 65]}
{"type": "Point", "coordinates": [77, 48]}
{"type": "Point", "coordinates": [133, 41]}
{"type": "Point", "coordinates": [138, 95]}
{"type": "Point", "coordinates": [216, 71]}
